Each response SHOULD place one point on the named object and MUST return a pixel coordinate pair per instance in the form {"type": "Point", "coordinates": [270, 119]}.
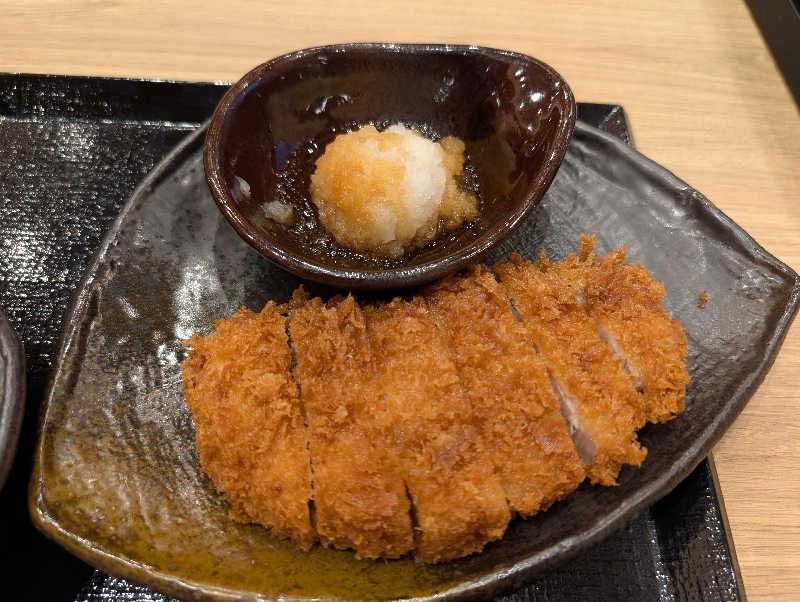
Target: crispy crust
{"type": "Point", "coordinates": [625, 302]}
{"type": "Point", "coordinates": [608, 408]}
{"type": "Point", "coordinates": [249, 427]}
{"type": "Point", "coordinates": [448, 398]}
{"type": "Point", "coordinates": [359, 496]}
{"type": "Point", "coordinates": [458, 499]}
{"type": "Point", "coordinates": [507, 384]}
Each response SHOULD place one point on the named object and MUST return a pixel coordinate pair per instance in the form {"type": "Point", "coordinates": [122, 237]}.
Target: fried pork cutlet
{"type": "Point", "coordinates": [360, 499]}
{"type": "Point", "coordinates": [458, 498]}
{"type": "Point", "coordinates": [625, 302]}
{"type": "Point", "coordinates": [507, 384]}
{"type": "Point", "coordinates": [429, 421]}
{"type": "Point", "coordinates": [597, 397]}
{"type": "Point", "coordinates": [249, 426]}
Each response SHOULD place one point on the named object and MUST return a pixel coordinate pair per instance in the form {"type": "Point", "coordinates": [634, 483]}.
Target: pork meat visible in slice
{"type": "Point", "coordinates": [360, 498]}
{"type": "Point", "coordinates": [508, 385]}
{"type": "Point", "coordinates": [249, 425]}
{"type": "Point", "coordinates": [598, 398]}
{"type": "Point", "coordinates": [625, 302]}
{"type": "Point", "coordinates": [457, 496]}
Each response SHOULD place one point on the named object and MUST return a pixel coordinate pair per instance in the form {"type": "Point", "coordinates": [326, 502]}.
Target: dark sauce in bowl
{"type": "Point", "coordinates": [292, 187]}
{"type": "Point", "coordinates": [514, 114]}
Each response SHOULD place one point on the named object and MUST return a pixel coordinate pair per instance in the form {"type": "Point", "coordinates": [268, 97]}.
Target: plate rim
{"type": "Point", "coordinates": [513, 576]}
{"type": "Point", "coordinates": [12, 396]}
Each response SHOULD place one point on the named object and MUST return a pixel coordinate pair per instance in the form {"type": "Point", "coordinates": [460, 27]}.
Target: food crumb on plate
{"type": "Point", "coordinates": [280, 212]}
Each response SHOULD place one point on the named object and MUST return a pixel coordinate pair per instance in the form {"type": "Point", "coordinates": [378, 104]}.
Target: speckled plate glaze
{"type": "Point", "coordinates": [116, 479]}
{"type": "Point", "coordinates": [12, 395]}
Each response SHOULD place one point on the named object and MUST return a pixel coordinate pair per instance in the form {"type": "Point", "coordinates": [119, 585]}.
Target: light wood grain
{"type": "Point", "coordinates": [702, 92]}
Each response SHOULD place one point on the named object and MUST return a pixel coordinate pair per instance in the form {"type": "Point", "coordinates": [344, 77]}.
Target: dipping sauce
{"type": "Point", "coordinates": [388, 192]}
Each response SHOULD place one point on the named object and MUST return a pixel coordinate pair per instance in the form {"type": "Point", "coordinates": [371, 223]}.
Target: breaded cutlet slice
{"type": "Point", "coordinates": [360, 498]}
{"type": "Point", "coordinates": [458, 499]}
{"type": "Point", "coordinates": [248, 421]}
{"type": "Point", "coordinates": [625, 302]}
{"type": "Point", "coordinates": [507, 383]}
{"type": "Point", "coordinates": [598, 400]}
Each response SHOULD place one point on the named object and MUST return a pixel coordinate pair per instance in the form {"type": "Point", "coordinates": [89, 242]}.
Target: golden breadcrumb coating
{"type": "Point", "coordinates": [507, 384]}
{"type": "Point", "coordinates": [598, 398]}
{"type": "Point", "coordinates": [625, 301]}
{"type": "Point", "coordinates": [360, 499]}
{"type": "Point", "coordinates": [458, 499]}
{"type": "Point", "coordinates": [249, 427]}
{"type": "Point", "coordinates": [420, 425]}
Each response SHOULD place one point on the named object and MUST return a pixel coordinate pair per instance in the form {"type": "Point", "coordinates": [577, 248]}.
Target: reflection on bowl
{"type": "Point", "coordinates": [514, 113]}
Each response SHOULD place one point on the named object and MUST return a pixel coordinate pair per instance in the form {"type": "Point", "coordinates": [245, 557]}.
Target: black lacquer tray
{"type": "Point", "coordinates": [72, 151]}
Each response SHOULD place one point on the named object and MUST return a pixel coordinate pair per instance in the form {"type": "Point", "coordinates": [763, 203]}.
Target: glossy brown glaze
{"type": "Point", "coordinates": [514, 113]}
{"type": "Point", "coordinates": [12, 395]}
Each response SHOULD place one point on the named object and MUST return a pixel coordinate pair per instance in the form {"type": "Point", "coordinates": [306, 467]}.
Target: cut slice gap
{"type": "Point", "coordinates": [458, 500]}
{"type": "Point", "coordinates": [250, 432]}
{"type": "Point", "coordinates": [583, 443]}
{"type": "Point", "coordinates": [624, 300]}
{"type": "Point", "coordinates": [582, 366]}
{"type": "Point", "coordinates": [576, 271]}
{"type": "Point", "coordinates": [358, 504]}
{"type": "Point", "coordinates": [506, 383]}
{"type": "Point", "coordinates": [515, 312]}
{"type": "Point", "coordinates": [412, 516]}
{"type": "Point", "coordinates": [312, 513]}
{"type": "Point", "coordinates": [619, 355]}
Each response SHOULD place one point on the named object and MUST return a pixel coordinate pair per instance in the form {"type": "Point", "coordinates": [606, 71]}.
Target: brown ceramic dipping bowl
{"type": "Point", "coordinates": [515, 115]}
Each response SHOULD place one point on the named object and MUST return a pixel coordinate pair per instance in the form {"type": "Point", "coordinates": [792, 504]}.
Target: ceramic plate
{"type": "Point", "coordinates": [118, 483]}
{"type": "Point", "coordinates": [12, 395]}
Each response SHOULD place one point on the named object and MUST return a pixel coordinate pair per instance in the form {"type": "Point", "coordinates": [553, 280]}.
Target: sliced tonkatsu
{"type": "Point", "coordinates": [507, 384]}
{"type": "Point", "coordinates": [360, 499]}
{"type": "Point", "coordinates": [249, 426]}
{"type": "Point", "coordinates": [598, 399]}
{"type": "Point", "coordinates": [420, 426]}
{"type": "Point", "coordinates": [458, 498]}
{"type": "Point", "coordinates": [625, 302]}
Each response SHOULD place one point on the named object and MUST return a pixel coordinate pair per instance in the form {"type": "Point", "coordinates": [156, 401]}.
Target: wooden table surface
{"type": "Point", "coordinates": [702, 92]}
